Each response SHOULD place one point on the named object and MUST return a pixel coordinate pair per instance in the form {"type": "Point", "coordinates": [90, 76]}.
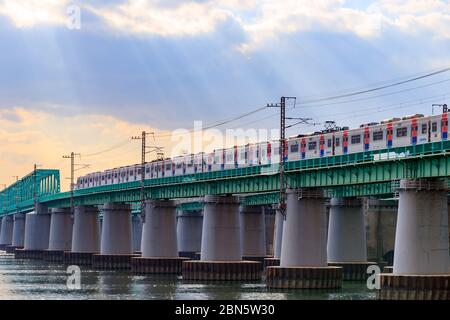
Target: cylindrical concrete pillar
{"type": "Point", "coordinates": [159, 233]}
{"type": "Point", "coordinates": [346, 231]}
{"type": "Point", "coordinates": [221, 237]}
{"type": "Point", "coordinates": [37, 231]}
{"type": "Point", "coordinates": [18, 230]}
{"type": "Point", "coordinates": [86, 230]}
{"type": "Point", "coordinates": [278, 234]}
{"type": "Point", "coordinates": [137, 232]}
{"type": "Point", "coordinates": [116, 230]}
{"type": "Point", "coordinates": [421, 239]}
{"type": "Point", "coordinates": [61, 226]}
{"type": "Point", "coordinates": [189, 231]}
{"type": "Point", "coordinates": [304, 235]}
{"type": "Point", "coordinates": [269, 215]}
{"type": "Point", "coordinates": [253, 231]}
{"type": "Point", "coordinates": [6, 230]}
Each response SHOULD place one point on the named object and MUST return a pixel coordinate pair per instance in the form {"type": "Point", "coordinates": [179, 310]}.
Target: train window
{"type": "Point", "coordinates": [377, 135]}
{"type": "Point", "coordinates": [179, 165]}
{"type": "Point", "coordinates": [434, 127]}
{"type": "Point", "coordinates": [147, 170]}
{"type": "Point", "coordinates": [402, 132]}
{"type": "Point", "coordinates": [190, 164]}
{"type": "Point", "coordinates": [230, 158]}
{"type": "Point", "coordinates": [168, 166]}
{"type": "Point", "coordinates": [337, 142]}
{"type": "Point", "coordinates": [131, 173]}
{"type": "Point", "coordinates": [329, 143]}
{"type": "Point", "coordinates": [103, 178]}
{"type": "Point", "coordinates": [139, 171]}
{"type": "Point", "coordinates": [294, 148]}
{"type": "Point", "coordinates": [109, 176]}
{"type": "Point", "coordinates": [242, 155]}
{"type": "Point", "coordinates": [312, 145]}
{"type": "Point", "coordinates": [356, 139]}
{"type": "Point", "coordinates": [424, 128]}
{"type": "Point", "coordinates": [115, 175]}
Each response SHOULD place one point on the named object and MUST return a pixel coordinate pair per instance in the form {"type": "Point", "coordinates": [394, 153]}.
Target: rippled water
{"type": "Point", "coordinates": [30, 279]}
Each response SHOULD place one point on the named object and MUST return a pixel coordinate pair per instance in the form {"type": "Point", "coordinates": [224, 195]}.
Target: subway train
{"type": "Point", "coordinates": [391, 133]}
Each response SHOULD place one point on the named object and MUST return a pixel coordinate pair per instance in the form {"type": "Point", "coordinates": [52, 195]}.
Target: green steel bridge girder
{"type": "Point", "coordinates": [365, 173]}
{"type": "Point", "coordinates": [20, 196]}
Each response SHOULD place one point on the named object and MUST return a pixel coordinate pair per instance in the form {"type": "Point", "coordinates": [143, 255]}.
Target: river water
{"type": "Point", "coordinates": [35, 279]}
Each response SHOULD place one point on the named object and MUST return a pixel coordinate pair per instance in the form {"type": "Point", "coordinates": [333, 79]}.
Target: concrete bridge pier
{"type": "Point", "coordinates": [159, 240]}
{"type": "Point", "coordinates": [37, 233]}
{"type": "Point", "coordinates": [189, 233]}
{"type": "Point", "coordinates": [85, 236]}
{"type": "Point", "coordinates": [116, 248]}
{"type": "Point", "coordinates": [18, 233]}
{"type": "Point", "coordinates": [346, 245]}
{"type": "Point", "coordinates": [136, 222]}
{"type": "Point", "coordinates": [60, 239]}
{"type": "Point", "coordinates": [221, 257]}
{"type": "Point", "coordinates": [277, 240]}
{"type": "Point", "coordinates": [303, 263]}
{"type": "Point", "coordinates": [253, 233]}
{"type": "Point", "coordinates": [421, 255]}
{"type": "Point", "coordinates": [269, 216]}
{"type": "Point", "coordinates": [6, 231]}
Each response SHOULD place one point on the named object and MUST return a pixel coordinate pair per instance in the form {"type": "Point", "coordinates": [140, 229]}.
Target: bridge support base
{"type": "Point", "coordinates": [116, 248]}
{"type": "Point", "coordinates": [304, 277]}
{"type": "Point", "coordinates": [189, 233]}
{"type": "Point", "coordinates": [191, 255]}
{"type": "Point", "coordinates": [271, 262]}
{"type": "Point", "coordinates": [354, 271]}
{"type": "Point", "coordinates": [140, 265]}
{"type": "Point", "coordinates": [421, 256]}
{"type": "Point", "coordinates": [53, 255]}
{"type": "Point", "coordinates": [18, 231]}
{"type": "Point", "coordinates": [221, 255]}
{"type": "Point", "coordinates": [12, 249]}
{"type": "Point", "coordinates": [221, 270]}
{"type": "Point", "coordinates": [112, 261]}
{"type": "Point", "coordinates": [6, 232]}
{"type": "Point", "coordinates": [303, 263]}
{"type": "Point", "coordinates": [159, 240]}
{"type": "Point", "coordinates": [414, 287]}
{"type": "Point", "coordinates": [78, 258]}
{"type": "Point", "coordinates": [28, 254]}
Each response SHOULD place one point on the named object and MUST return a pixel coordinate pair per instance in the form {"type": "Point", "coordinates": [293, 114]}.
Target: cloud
{"type": "Point", "coordinates": [28, 13]}
{"type": "Point", "coordinates": [151, 17]}
{"type": "Point", "coordinates": [42, 137]}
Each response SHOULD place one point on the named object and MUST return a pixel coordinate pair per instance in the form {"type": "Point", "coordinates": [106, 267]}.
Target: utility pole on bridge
{"type": "Point", "coordinates": [72, 156]}
{"type": "Point", "coordinates": [283, 147]}
{"type": "Point", "coordinates": [144, 151]}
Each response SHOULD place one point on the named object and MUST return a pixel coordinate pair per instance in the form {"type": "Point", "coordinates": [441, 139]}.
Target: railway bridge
{"type": "Point", "coordinates": [220, 230]}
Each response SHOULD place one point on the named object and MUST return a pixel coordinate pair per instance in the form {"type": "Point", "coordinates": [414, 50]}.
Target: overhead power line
{"type": "Point", "coordinates": [350, 94]}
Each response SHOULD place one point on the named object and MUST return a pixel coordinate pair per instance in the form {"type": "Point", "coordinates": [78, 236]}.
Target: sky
{"type": "Point", "coordinates": [86, 76]}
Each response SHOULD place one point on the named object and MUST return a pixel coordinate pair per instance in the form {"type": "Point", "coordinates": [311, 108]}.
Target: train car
{"type": "Point", "coordinates": [264, 153]}
{"type": "Point", "coordinates": [178, 168]}
{"type": "Point", "coordinates": [167, 168]}
{"type": "Point", "coordinates": [219, 160]}
{"type": "Point", "coordinates": [229, 158]}
{"type": "Point", "coordinates": [409, 130]}
{"type": "Point", "coordinates": [252, 154]}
